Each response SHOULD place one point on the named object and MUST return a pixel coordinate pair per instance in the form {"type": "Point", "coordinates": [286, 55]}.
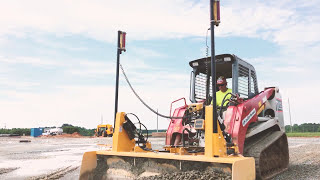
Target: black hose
{"type": "Point", "coordinates": [135, 116]}
{"type": "Point", "coordinates": [182, 138]}
{"type": "Point", "coordinates": [140, 131]}
{"type": "Point", "coordinates": [220, 109]}
{"type": "Point", "coordinates": [146, 130]}
{"type": "Point", "coordinates": [125, 76]}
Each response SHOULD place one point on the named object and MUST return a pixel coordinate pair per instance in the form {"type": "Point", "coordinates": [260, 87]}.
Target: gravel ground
{"type": "Point", "coordinates": [60, 158]}
{"type": "Point", "coordinates": [192, 175]}
{"type": "Point", "coordinates": [304, 162]}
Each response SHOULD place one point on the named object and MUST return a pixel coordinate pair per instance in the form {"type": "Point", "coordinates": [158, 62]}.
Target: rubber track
{"type": "Point", "coordinates": [270, 151]}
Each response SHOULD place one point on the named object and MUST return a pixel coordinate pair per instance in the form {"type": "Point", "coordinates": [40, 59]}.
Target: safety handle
{"type": "Point", "coordinates": [185, 103]}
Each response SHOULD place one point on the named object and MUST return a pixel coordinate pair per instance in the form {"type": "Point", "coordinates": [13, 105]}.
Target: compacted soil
{"type": "Point", "coordinates": [60, 158]}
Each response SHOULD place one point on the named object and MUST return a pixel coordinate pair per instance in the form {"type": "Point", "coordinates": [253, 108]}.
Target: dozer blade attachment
{"type": "Point", "coordinates": [89, 163]}
{"type": "Point", "coordinates": [156, 165]}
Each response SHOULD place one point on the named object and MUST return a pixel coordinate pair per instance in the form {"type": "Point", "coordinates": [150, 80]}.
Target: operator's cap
{"type": "Point", "coordinates": [221, 80]}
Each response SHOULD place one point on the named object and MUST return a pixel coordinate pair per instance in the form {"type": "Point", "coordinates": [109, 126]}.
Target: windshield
{"type": "Point", "coordinates": [201, 88]}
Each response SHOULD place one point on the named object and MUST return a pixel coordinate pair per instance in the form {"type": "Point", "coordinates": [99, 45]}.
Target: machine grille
{"type": "Point", "coordinates": [243, 81]}
{"type": "Point", "coordinates": [200, 87]}
{"type": "Point", "coordinates": [254, 87]}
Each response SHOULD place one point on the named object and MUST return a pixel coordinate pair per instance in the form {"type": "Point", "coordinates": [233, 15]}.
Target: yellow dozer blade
{"type": "Point", "coordinates": [132, 165]}
{"type": "Point", "coordinates": [128, 161]}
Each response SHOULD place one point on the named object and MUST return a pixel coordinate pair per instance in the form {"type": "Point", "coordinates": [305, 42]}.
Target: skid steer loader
{"type": "Point", "coordinates": [247, 142]}
{"type": "Point", "coordinates": [104, 130]}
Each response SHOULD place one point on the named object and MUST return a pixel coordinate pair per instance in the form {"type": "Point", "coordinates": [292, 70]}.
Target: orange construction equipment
{"type": "Point", "coordinates": [104, 130]}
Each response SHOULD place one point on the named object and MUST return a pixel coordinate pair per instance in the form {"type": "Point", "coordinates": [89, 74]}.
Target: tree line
{"type": "Point", "coordinates": [18, 131]}
{"type": "Point", "coordinates": [67, 128]}
{"type": "Point", "coordinates": [305, 127]}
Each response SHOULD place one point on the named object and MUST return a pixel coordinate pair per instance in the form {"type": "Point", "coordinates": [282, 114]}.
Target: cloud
{"type": "Point", "coordinates": [59, 45]}
{"type": "Point", "coordinates": [302, 34]}
{"type": "Point", "coordinates": [280, 22]}
{"type": "Point", "coordinates": [289, 69]}
{"type": "Point", "coordinates": [249, 19]}
{"type": "Point", "coordinates": [144, 52]}
{"type": "Point", "coordinates": [34, 61]}
{"type": "Point", "coordinates": [88, 68]}
{"type": "Point", "coordinates": [4, 68]}
{"type": "Point", "coordinates": [100, 20]}
{"type": "Point", "coordinates": [5, 82]}
{"type": "Point", "coordinates": [302, 107]}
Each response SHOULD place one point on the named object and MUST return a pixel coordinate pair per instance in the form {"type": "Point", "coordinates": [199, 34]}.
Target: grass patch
{"type": "Point", "coordinates": [304, 134]}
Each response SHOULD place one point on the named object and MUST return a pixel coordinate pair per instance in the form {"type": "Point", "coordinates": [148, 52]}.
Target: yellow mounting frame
{"type": "Point", "coordinates": [243, 168]}
{"type": "Point", "coordinates": [215, 144]}
{"type": "Point", "coordinates": [121, 141]}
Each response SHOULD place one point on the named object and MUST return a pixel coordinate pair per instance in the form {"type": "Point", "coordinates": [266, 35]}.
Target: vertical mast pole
{"type": "Point", "coordinates": [117, 80]}
{"type": "Point", "coordinates": [290, 115]}
{"type": "Point", "coordinates": [213, 69]}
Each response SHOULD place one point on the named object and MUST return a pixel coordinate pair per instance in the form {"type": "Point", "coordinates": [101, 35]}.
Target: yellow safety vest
{"type": "Point", "coordinates": [220, 95]}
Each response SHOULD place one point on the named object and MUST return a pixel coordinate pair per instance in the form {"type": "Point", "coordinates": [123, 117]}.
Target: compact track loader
{"type": "Point", "coordinates": [246, 142]}
{"type": "Point", "coordinates": [104, 130]}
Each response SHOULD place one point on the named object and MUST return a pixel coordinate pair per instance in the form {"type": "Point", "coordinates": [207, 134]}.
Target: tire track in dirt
{"type": "Point", "coordinates": [57, 174]}
{"type": "Point", "coordinates": [7, 170]}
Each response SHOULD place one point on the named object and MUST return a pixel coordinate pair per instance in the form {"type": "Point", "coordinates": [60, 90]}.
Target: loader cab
{"type": "Point", "coordinates": [240, 75]}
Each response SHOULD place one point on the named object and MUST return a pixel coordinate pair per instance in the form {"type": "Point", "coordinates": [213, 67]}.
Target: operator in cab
{"type": "Point", "coordinates": [223, 90]}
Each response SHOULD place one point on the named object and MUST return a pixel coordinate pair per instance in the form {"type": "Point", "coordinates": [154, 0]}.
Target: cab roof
{"type": "Point", "coordinates": [223, 64]}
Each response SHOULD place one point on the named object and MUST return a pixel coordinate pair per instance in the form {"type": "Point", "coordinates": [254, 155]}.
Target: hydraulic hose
{"type": "Point", "coordinates": [140, 124]}
{"type": "Point", "coordinates": [145, 104]}
{"type": "Point", "coordinates": [182, 136]}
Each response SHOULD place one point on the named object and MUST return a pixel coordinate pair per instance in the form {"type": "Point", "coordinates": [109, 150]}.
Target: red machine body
{"type": "Point", "coordinates": [237, 118]}
{"type": "Point", "coordinates": [175, 125]}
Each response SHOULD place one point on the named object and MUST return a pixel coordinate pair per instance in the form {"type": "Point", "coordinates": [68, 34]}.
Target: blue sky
{"type": "Point", "coordinates": [58, 58]}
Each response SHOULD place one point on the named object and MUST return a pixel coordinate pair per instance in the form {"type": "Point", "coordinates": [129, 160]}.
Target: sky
{"type": "Point", "coordinates": [58, 58]}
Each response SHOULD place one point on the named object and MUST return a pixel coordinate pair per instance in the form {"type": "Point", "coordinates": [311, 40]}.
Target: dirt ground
{"type": "Point", "coordinates": [304, 162]}
{"type": "Point", "coordinates": [60, 158]}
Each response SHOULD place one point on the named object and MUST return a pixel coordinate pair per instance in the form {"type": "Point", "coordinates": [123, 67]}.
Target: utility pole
{"type": "Point", "coordinates": [157, 120]}
{"type": "Point", "coordinates": [121, 47]}
{"type": "Point", "coordinates": [290, 115]}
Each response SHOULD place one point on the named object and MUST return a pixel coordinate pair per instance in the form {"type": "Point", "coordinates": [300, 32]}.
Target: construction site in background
{"type": "Point", "coordinates": [240, 138]}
